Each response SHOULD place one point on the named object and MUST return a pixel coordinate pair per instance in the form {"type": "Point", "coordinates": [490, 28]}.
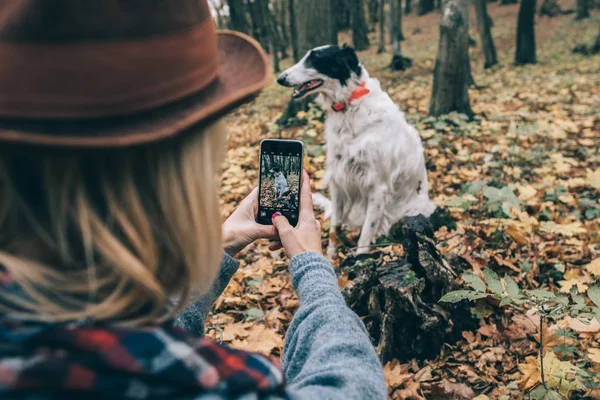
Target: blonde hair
{"type": "Point", "coordinates": [110, 234]}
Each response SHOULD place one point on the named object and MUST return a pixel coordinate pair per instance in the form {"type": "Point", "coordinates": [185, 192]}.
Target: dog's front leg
{"type": "Point", "coordinates": [372, 219]}
{"type": "Point", "coordinates": [334, 221]}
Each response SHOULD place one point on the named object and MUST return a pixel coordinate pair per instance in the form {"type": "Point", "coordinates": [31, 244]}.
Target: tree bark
{"type": "Point", "coordinates": [342, 14]}
{"type": "Point", "coordinates": [333, 27]}
{"type": "Point", "coordinates": [398, 300]}
{"type": "Point", "coordinates": [583, 9]}
{"type": "Point", "coordinates": [373, 14]}
{"type": "Point", "coordinates": [485, 33]}
{"type": "Point", "coordinates": [399, 62]}
{"type": "Point", "coordinates": [507, 2]}
{"type": "Point", "coordinates": [396, 12]}
{"type": "Point", "coordinates": [452, 70]}
{"type": "Point", "coordinates": [407, 7]}
{"type": "Point", "coordinates": [360, 37]}
{"type": "Point", "coordinates": [282, 23]}
{"type": "Point", "coordinates": [260, 26]}
{"type": "Point", "coordinates": [237, 16]}
{"type": "Point", "coordinates": [381, 48]}
{"type": "Point", "coordinates": [293, 31]}
{"type": "Point", "coordinates": [526, 33]}
{"type": "Point", "coordinates": [312, 20]}
{"type": "Point", "coordinates": [425, 6]}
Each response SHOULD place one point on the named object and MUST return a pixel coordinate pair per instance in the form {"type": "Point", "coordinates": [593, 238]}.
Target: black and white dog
{"type": "Point", "coordinates": [375, 167]}
{"type": "Point", "coordinates": [281, 185]}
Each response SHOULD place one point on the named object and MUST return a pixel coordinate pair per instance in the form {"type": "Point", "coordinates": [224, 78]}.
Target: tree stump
{"type": "Point", "coordinates": [398, 300]}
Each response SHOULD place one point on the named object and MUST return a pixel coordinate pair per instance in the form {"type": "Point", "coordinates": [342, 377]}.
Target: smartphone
{"type": "Point", "coordinates": [280, 179]}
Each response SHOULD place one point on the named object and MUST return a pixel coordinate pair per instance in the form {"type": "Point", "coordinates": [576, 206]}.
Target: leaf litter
{"type": "Point", "coordinates": [522, 180]}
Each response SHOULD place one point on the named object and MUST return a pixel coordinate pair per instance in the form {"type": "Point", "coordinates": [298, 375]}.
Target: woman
{"type": "Point", "coordinates": [109, 218]}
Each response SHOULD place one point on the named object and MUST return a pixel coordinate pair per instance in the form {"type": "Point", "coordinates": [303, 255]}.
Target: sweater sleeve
{"type": "Point", "coordinates": [327, 353]}
{"type": "Point", "coordinates": [192, 318]}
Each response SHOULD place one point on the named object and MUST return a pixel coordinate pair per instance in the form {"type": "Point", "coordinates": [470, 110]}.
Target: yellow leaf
{"type": "Point", "coordinates": [593, 178]}
{"type": "Point", "coordinates": [565, 286]}
{"type": "Point", "coordinates": [594, 267]}
{"type": "Point", "coordinates": [594, 355]}
{"type": "Point", "coordinates": [567, 230]}
{"type": "Point", "coordinates": [481, 397]}
{"type": "Point", "coordinates": [561, 375]}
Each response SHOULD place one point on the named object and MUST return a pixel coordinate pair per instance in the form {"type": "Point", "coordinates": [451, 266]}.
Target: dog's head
{"type": "Point", "coordinates": [274, 171]}
{"type": "Point", "coordinates": [323, 69]}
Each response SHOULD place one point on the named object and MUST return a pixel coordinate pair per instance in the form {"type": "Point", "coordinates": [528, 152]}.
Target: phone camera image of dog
{"type": "Point", "coordinates": [280, 181]}
{"type": "Point", "coordinates": [375, 164]}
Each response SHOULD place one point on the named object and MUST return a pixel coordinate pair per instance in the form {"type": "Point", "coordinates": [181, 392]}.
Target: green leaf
{"type": "Point", "coordinates": [576, 296]}
{"type": "Point", "coordinates": [511, 286]}
{"type": "Point", "coordinates": [493, 281]}
{"type": "Point", "coordinates": [253, 313]}
{"type": "Point", "coordinates": [474, 281]}
{"type": "Point", "coordinates": [458, 202]}
{"type": "Point", "coordinates": [541, 393]}
{"type": "Point", "coordinates": [562, 299]}
{"type": "Point", "coordinates": [477, 296]}
{"type": "Point", "coordinates": [526, 266]}
{"type": "Point", "coordinates": [456, 296]}
{"type": "Point", "coordinates": [505, 301]}
{"type": "Point", "coordinates": [594, 294]}
{"type": "Point", "coordinates": [541, 294]}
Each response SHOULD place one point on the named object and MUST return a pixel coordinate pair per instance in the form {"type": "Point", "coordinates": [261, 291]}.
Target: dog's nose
{"type": "Point", "coordinates": [282, 80]}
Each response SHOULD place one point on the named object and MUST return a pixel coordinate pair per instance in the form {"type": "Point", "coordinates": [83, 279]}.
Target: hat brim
{"type": "Point", "coordinates": [243, 71]}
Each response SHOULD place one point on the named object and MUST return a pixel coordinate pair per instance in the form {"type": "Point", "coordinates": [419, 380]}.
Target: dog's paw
{"type": "Point", "coordinates": [362, 250]}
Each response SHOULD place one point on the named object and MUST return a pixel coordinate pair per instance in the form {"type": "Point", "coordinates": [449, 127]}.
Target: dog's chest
{"type": "Point", "coordinates": [347, 160]}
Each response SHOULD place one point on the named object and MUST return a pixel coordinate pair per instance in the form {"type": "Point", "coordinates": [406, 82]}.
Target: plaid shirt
{"type": "Point", "coordinates": [108, 362]}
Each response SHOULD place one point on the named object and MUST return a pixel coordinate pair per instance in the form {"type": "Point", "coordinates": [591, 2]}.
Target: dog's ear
{"type": "Point", "coordinates": [350, 58]}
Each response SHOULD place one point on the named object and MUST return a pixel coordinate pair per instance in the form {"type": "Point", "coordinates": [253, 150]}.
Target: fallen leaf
{"type": "Point", "coordinates": [567, 230]}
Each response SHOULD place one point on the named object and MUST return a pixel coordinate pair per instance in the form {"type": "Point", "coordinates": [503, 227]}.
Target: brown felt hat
{"type": "Point", "coordinates": [114, 73]}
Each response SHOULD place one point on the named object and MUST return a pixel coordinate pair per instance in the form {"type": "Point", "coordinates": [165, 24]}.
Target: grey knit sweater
{"type": "Point", "coordinates": [327, 352]}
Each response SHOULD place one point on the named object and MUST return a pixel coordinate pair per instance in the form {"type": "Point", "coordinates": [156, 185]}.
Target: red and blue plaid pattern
{"type": "Point", "coordinates": [112, 361]}
{"type": "Point", "coordinates": [136, 363]}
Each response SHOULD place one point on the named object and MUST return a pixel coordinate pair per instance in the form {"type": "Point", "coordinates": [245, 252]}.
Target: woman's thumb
{"type": "Point", "coordinates": [281, 223]}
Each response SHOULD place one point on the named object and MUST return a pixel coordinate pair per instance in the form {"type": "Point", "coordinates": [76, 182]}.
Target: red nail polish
{"type": "Point", "coordinates": [275, 215]}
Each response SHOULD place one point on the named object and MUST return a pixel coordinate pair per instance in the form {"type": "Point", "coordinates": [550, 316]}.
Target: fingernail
{"type": "Point", "coordinates": [275, 215]}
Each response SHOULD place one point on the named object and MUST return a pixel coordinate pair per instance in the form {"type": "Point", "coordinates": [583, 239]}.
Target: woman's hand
{"type": "Point", "coordinates": [306, 236]}
{"type": "Point", "coordinates": [241, 227]}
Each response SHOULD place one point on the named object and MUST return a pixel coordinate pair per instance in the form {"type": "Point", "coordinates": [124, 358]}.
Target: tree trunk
{"type": "Point", "coordinates": [399, 63]}
{"type": "Point", "coordinates": [452, 73]}
{"type": "Point", "coordinates": [360, 37]}
{"type": "Point", "coordinates": [407, 8]}
{"type": "Point", "coordinates": [381, 48]}
{"type": "Point", "coordinates": [425, 6]}
{"type": "Point", "coordinates": [526, 33]}
{"type": "Point", "coordinates": [507, 2]}
{"type": "Point", "coordinates": [396, 12]}
{"type": "Point", "coordinates": [342, 14]}
{"type": "Point", "coordinates": [398, 300]}
{"type": "Point", "coordinates": [373, 14]}
{"type": "Point", "coordinates": [260, 26]}
{"type": "Point", "coordinates": [595, 49]}
{"type": "Point", "coordinates": [333, 25]}
{"type": "Point", "coordinates": [237, 16]}
{"type": "Point", "coordinates": [583, 9]}
{"type": "Point", "coordinates": [273, 33]}
{"type": "Point", "coordinates": [293, 31]}
{"type": "Point", "coordinates": [285, 40]}
{"type": "Point", "coordinates": [312, 20]}
{"type": "Point", "coordinates": [485, 33]}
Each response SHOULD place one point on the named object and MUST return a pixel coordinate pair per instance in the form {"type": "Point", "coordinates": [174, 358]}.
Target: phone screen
{"type": "Point", "coordinates": [280, 179]}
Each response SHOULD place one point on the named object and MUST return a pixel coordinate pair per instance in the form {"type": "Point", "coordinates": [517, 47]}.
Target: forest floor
{"type": "Point", "coordinates": [522, 181]}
